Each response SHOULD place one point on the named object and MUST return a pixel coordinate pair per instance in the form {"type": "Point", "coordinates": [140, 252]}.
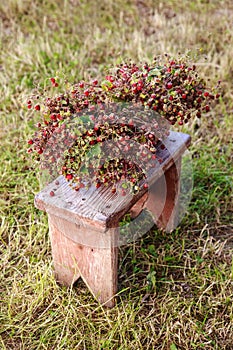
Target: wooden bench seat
{"type": "Point", "coordinates": [84, 225]}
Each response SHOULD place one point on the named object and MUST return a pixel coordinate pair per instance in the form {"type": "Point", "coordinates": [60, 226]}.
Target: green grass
{"type": "Point", "coordinates": [175, 290]}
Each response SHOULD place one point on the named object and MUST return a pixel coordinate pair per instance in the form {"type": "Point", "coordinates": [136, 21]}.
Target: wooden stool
{"type": "Point", "coordinates": [84, 225]}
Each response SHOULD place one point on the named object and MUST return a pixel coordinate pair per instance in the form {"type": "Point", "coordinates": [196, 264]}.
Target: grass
{"type": "Point", "coordinates": [176, 290]}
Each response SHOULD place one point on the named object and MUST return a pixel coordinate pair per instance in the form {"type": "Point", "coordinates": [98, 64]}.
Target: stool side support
{"type": "Point", "coordinates": [164, 196]}
{"type": "Point", "coordinates": [96, 266]}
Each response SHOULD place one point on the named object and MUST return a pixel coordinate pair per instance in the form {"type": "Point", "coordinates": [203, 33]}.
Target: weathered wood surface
{"type": "Point", "coordinates": [164, 196]}
{"type": "Point", "coordinates": [100, 208]}
{"type": "Point", "coordinates": [96, 266]}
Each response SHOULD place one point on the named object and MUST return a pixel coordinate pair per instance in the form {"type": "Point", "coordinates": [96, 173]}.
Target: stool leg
{"type": "Point", "coordinates": [164, 197]}
{"type": "Point", "coordinates": [97, 266]}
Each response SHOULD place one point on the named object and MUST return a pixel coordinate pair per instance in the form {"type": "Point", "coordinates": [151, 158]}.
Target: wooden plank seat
{"type": "Point", "coordinates": [84, 225]}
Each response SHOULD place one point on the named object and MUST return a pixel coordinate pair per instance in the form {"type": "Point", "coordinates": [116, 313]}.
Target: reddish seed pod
{"type": "Point", "coordinates": [131, 123]}
{"type": "Point", "coordinates": [53, 117]}
{"type": "Point", "coordinates": [37, 107]}
{"type": "Point", "coordinates": [39, 150]}
{"type": "Point", "coordinates": [180, 113]}
{"type": "Point", "coordinates": [52, 193]}
{"type": "Point", "coordinates": [151, 136]}
{"type": "Point", "coordinates": [69, 176]}
{"type": "Point", "coordinates": [53, 81]}
{"type": "Point", "coordinates": [30, 142]}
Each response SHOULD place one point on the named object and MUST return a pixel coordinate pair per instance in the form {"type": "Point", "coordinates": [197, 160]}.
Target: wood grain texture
{"type": "Point", "coordinates": [164, 196]}
{"type": "Point", "coordinates": [96, 266]}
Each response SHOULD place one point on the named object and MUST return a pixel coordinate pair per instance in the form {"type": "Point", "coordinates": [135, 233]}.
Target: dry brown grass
{"type": "Point", "coordinates": [175, 291]}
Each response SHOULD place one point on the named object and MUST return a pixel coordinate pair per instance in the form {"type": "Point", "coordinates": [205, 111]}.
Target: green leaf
{"type": "Point", "coordinates": [156, 72]}
{"type": "Point", "coordinates": [92, 155]}
{"type": "Point", "coordinates": [106, 84]}
{"type": "Point", "coordinates": [85, 118]}
{"type": "Point", "coordinates": [152, 250]}
{"type": "Point", "coordinates": [151, 278]}
{"type": "Point", "coordinates": [173, 347]}
{"type": "Point", "coordinates": [124, 185]}
{"type": "Point", "coordinates": [83, 170]}
{"type": "Point", "coordinates": [94, 151]}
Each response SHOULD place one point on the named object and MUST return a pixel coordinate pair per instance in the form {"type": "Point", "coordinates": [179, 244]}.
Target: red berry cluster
{"type": "Point", "coordinates": [107, 132]}
{"type": "Point", "coordinates": [115, 144]}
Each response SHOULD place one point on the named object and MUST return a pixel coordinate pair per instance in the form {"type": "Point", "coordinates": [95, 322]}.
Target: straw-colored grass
{"type": "Point", "coordinates": [176, 290]}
